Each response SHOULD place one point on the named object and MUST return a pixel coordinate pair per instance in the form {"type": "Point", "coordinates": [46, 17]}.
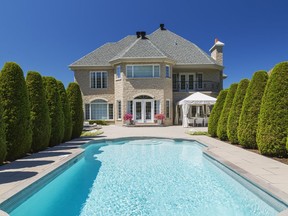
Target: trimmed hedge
{"type": "Point", "coordinates": [235, 111]}
{"type": "Point", "coordinates": [76, 108]}
{"type": "Point", "coordinates": [16, 111]}
{"type": "Point", "coordinates": [216, 112]}
{"type": "Point", "coordinates": [222, 123]}
{"type": "Point", "coordinates": [55, 110]}
{"type": "Point", "coordinates": [3, 147]}
{"type": "Point", "coordinates": [66, 112]}
{"type": "Point", "coordinates": [273, 118]}
{"type": "Point", "coordinates": [248, 122]}
{"type": "Point", "coordinates": [40, 120]}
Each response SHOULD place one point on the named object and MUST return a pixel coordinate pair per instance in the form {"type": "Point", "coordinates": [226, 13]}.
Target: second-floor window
{"type": "Point", "coordinates": [167, 70]}
{"type": "Point", "coordinates": [118, 72]}
{"type": "Point", "coordinates": [142, 71]}
{"type": "Point", "coordinates": [98, 79]}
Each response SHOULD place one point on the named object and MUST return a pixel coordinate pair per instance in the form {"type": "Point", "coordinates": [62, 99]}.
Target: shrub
{"type": "Point", "coordinates": [222, 122]}
{"type": "Point", "coordinates": [40, 120]}
{"type": "Point", "coordinates": [76, 108]}
{"type": "Point", "coordinates": [216, 112]}
{"type": "Point", "coordinates": [250, 110]}
{"type": "Point", "coordinates": [98, 122]}
{"type": "Point", "coordinates": [66, 112]}
{"type": "Point", "coordinates": [273, 119]}
{"type": "Point", "coordinates": [55, 110]}
{"type": "Point", "coordinates": [235, 111]}
{"type": "Point", "coordinates": [3, 148]}
{"type": "Point", "coordinates": [16, 111]}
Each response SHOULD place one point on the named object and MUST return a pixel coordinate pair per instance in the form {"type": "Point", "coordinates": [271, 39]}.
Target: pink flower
{"type": "Point", "coordinates": [128, 117]}
{"type": "Point", "coordinates": [160, 116]}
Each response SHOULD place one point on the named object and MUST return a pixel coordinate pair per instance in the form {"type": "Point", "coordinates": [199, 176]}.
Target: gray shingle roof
{"type": "Point", "coordinates": [141, 49]}
{"type": "Point", "coordinates": [159, 44]}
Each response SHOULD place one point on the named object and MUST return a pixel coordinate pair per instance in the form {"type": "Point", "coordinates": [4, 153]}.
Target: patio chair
{"type": "Point", "coordinates": [191, 121]}
{"type": "Point", "coordinates": [199, 122]}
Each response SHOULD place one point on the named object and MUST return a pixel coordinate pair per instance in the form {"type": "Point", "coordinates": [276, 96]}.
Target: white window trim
{"type": "Point", "coordinates": [169, 71]}
{"type": "Point", "coordinates": [120, 77]}
{"type": "Point", "coordinates": [90, 77]}
{"type": "Point", "coordinates": [153, 72]}
{"type": "Point", "coordinates": [169, 113]}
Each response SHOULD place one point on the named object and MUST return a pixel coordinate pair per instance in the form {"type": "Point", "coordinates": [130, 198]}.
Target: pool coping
{"type": "Point", "coordinates": [278, 194]}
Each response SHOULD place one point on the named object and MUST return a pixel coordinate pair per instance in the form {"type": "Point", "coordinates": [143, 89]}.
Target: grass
{"type": "Point", "coordinates": [91, 133]}
{"type": "Point", "coordinates": [194, 133]}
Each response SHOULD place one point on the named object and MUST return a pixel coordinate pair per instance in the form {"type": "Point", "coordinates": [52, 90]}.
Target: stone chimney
{"type": "Point", "coordinates": [217, 51]}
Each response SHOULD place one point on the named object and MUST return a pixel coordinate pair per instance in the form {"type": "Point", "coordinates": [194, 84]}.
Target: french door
{"type": "Point", "coordinates": [187, 81]}
{"type": "Point", "coordinates": [143, 111]}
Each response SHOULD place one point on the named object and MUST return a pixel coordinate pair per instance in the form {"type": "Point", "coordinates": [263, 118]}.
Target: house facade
{"type": "Point", "coordinates": [145, 75]}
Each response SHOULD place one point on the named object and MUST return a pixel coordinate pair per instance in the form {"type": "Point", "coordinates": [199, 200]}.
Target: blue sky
{"type": "Point", "coordinates": [47, 36]}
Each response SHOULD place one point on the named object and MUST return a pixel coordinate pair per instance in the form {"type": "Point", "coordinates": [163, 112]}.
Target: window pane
{"type": "Point", "coordinates": [174, 81]}
{"type": "Point", "coordinates": [119, 110]}
{"type": "Point", "coordinates": [143, 71]}
{"type": "Point", "coordinates": [156, 71]}
{"type": "Point", "coordinates": [92, 79]}
{"type": "Point", "coordinates": [104, 79]}
{"type": "Point", "coordinates": [167, 109]}
{"type": "Point", "coordinates": [99, 111]}
{"type": "Point", "coordinates": [118, 71]}
{"type": "Point", "coordinates": [98, 80]}
{"type": "Point", "coordinates": [129, 71]}
{"type": "Point", "coordinates": [87, 111]}
{"type": "Point", "coordinates": [111, 111]}
{"type": "Point", "coordinates": [199, 80]}
{"type": "Point", "coordinates": [156, 107]}
{"type": "Point", "coordinates": [167, 71]}
{"type": "Point", "coordinates": [130, 107]}
{"type": "Point", "coordinates": [191, 82]}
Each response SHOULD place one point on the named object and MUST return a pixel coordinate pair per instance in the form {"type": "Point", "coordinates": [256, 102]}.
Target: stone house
{"type": "Point", "coordinates": [145, 75]}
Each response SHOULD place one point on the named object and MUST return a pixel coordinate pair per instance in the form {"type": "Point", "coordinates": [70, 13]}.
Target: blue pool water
{"type": "Point", "coordinates": [143, 177]}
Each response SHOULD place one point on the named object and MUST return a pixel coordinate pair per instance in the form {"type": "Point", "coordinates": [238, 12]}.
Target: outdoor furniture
{"type": "Point", "coordinates": [199, 122]}
{"type": "Point", "coordinates": [191, 121]}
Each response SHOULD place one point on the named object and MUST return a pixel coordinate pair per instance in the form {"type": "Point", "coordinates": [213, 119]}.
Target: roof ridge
{"type": "Point", "coordinates": [157, 48]}
{"type": "Point", "coordinates": [125, 51]}
{"type": "Point", "coordinates": [91, 52]}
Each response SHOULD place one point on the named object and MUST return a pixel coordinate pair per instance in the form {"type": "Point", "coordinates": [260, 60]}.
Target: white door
{"type": "Point", "coordinates": [143, 111]}
{"type": "Point", "coordinates": [187, 81]}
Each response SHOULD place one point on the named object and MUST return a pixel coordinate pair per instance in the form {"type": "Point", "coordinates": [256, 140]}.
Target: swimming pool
{"type": "Point", "coordinates": [145, 177]}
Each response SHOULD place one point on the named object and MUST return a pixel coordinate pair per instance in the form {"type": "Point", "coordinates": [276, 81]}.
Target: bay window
{"type": "Point", "coordinates": [142, 71]}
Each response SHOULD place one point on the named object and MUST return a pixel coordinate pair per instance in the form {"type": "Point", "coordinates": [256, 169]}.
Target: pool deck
{"type": "Point", "coordinates": [267, 173]}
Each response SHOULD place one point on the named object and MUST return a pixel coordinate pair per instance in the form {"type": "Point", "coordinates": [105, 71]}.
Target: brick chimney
{"type": "Point", "coordinates": [217, 51]}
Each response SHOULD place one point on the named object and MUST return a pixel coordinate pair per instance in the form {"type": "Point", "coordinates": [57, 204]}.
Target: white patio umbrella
{"type": "Point", "coordinates": [196, 99]}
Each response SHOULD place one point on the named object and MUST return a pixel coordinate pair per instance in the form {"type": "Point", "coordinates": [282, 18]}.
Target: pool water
{"type": "Point", "coordinates": [144, 177]}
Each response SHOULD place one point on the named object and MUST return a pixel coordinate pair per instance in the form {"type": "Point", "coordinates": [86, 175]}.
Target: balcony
{"type": "Point", "coordinates": [189, 86]}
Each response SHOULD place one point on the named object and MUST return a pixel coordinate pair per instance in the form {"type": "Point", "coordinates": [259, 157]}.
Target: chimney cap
{"type": "Point", "coordinates": [143, 34]}
{"type": "Point", "coordinates": [216, 44]}
{"type": "Point", "coordinates": [138, 34]}
{"type": "Point", "coordinates": [162, 27]}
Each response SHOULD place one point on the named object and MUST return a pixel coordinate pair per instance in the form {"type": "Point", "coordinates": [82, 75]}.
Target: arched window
{"type": "Point", "coordinates": [143, 97]}
{"type": "Point", "coordinates": [99, 110]}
